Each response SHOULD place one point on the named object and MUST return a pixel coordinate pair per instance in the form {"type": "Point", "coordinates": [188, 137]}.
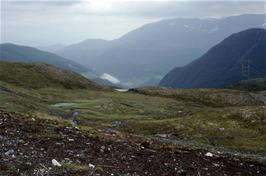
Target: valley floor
{"type": "Point", "coordinates": [148, 131]}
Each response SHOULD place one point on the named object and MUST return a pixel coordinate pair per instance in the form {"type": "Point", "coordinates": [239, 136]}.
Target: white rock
{"type": "Point", "coordinates": [91, 166]}
{"type": "Point", "coordinates": [209, 154]}
{"type": "Point", "coordinates": [56, 163]}
{"type": "Point", "coordinates": [162, 135]}
{"type": "Point", "coordinates": [9, 152]}
{"type": "Point", "coordinates": [216, 165]}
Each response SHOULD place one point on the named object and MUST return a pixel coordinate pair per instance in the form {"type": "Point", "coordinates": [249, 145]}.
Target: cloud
{"type": "Point", "coordinates": [47, 22]}
{"type": "Point", "coordinates": [148, 8]}
{"type": "Point", "coordinates": [110, 78]}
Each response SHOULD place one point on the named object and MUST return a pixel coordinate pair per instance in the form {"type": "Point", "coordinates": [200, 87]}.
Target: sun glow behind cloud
{"type": "Point", "coordinates": [100, 5]}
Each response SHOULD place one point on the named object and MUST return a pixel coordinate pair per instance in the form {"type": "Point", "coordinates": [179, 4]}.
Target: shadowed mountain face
{"type": "Point", "coordinates": [146, 54]}
{"type": "Point", "coordinates": [222, 64]}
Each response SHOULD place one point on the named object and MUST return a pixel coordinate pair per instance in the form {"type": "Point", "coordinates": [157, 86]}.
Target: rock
{"type": "Point", "coordinates": [10, 152]}
{"type": "Point", "coordinates": [145, 144]}
{"type": "Point", "coordinates": [58, 143]}
{"type": "Point", "coordinates": [56, 163]}
{"type": "Point", "coordinates": [182, 173]}
{"type": "Point", "coordinates": [117, 124]}
{"type": "Point", "coordinates": [209, 154]}
{"type": "Point", "coordinates": [102, 149]}
{"type": "Point", "coordinates": [91, 165]}
{"type": "Point", "coordinates": [111, 131]}
{"type": "Point", "coordinates": [162, 135]}
{"type": "Point", "coordinates": [216, 165]}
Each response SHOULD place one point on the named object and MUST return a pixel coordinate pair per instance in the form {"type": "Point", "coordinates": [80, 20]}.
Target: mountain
{"type": "Point", "coordinates": [143, 56]}
{"type": "Point", "coordinates": [18, 53]}
{"type": "Point", "coordinates": [88, 48]}
{"type": "Point", "coordinates": [222, 64]}
{"type": "Point", "coordinates": [52, 48]}
{"type": "Point", "coordinates": [40, 75]}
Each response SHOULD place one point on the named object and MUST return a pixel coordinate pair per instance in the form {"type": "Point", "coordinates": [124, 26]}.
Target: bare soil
{"type": "Point", "coordinates": [28, 146]}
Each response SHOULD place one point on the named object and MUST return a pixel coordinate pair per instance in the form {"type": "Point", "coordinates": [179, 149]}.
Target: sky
{"type": "Point", "coordinates": [49, 22]}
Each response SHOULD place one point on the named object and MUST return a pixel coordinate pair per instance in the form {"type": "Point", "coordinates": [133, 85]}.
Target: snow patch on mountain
{"type": "Point", "coordinates": [214, 29]}
{"type": "Point", "coordinates": [264, 25]}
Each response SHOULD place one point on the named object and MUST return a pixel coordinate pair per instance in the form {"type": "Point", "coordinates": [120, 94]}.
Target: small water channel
{"type": "Point", "coordinates": [63, 104]}
{"type": "Point", "coordinates": [121, 90]}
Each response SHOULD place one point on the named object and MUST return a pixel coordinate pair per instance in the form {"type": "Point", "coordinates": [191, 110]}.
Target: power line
{"type": "Point", "coordinates": [246, 68]}
{"type": "Point", "coordinates": [246, 61]}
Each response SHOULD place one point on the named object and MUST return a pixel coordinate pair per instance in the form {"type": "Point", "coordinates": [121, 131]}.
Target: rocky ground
{"type": "Point", "coordinates": [32, 146]}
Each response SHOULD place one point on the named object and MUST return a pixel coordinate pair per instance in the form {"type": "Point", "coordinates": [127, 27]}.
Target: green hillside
{"type": "Point", "coordinates": [49, 109]}
{"type": "Point", "coordinates": [19, 53]}
{"type": "Point", "coordinates": [42, 75]}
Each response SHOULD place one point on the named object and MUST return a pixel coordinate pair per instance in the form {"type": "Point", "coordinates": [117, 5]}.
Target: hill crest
{"type": "Point", "coordinates": [40, 75]}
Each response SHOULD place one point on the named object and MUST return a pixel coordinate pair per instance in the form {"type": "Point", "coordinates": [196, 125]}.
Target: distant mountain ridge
{"type": "Point", "coordinates": [18, 53]}
{"type": "Point", "coordinates": [145, 55]}
{"type": "Point", "coordinates": [222, 64]}
{"type": "Point", "coordinates": [51, 48]}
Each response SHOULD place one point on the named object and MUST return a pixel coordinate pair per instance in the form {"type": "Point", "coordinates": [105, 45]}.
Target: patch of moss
{"type": "Point", "coordinates": [76, 167]}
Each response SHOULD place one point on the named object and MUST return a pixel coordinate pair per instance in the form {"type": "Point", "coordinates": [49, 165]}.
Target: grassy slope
{"type": "Point", "coordinates": [207, 97]}
{"type": "Point", "coordinates": [258, 84]}
{"type": "Point", "coordinates": [19, 53]}
{"type": "Point", "coordinates": [229, 125]}
{"type": "Point", "coordinates": [41, 75]}
{"type": "Point", "coordinates": [227, 118]}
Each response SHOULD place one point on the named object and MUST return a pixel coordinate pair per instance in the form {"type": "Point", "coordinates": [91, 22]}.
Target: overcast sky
{"type": "Point", "coordinates": [41, 23]}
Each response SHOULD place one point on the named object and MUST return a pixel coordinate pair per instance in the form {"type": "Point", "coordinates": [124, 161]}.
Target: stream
{"type": "Point", "coordinates": [63, 104]}
{"type": "Point", "coordinates": [72, 118]}
{"type": "Point", "coordinates": [121, 90]}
